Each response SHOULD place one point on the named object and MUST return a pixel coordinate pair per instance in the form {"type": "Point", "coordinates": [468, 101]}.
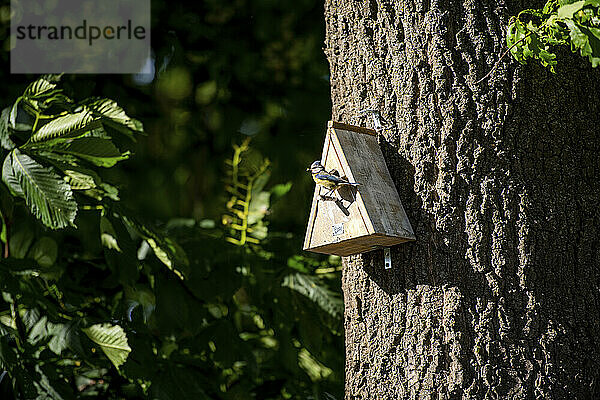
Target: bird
{"type": "Point", "coordinates": [327, 179]}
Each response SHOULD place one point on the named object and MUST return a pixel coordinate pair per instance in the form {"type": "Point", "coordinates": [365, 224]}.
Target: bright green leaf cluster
{"type": "Point", "coordinates": [54, 144]}
{"type": "Point", "coordinates": [48, 196]}
{"type": "Point", "coordinates": [535, 33]}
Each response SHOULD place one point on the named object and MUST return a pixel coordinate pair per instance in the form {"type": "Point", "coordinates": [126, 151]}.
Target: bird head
{"type": "Point", "coordinates": [316, 167]}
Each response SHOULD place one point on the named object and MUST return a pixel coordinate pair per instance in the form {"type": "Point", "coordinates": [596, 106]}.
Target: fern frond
{"type": "Point", "coordinates": [248, 173]}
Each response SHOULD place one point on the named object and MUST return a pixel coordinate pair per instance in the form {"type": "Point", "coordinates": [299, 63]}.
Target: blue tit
{"type": "Point", "coordinates": [326, 179]}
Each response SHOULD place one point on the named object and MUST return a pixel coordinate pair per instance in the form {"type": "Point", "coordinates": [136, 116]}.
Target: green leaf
{"type": "Point", "coordinates": [43, 94]}
{"type": "Point", "coordinates": [165, 249]}
{"type": "Point", "coordinates": [579, 40]}
{"type": "Point", "coordinates": [120, 249]}
{"type": "Point", "coordinates": [78, 180]}
{"type": "Point", "coordinates": [104, 190]}
{"type": "Point", "coordinates": [42, 85]}
{"type": "Point", "coordinates": [532, 28]}
{"type": "Point", "coordinates": [111, 111]}
{"type": "Point", "coordinates": [280, 190]}
{"type": "Point", "coordinates": [20, 240]}
{"type": "Point", "coordinates": [593, 35]}
{"type": "Point", "coordinates": [10, 179]}
{"type": "Point", "coordinates": [98, 151]}
{"type": "Point", "coordinates": [568, 10]}
{"type": "Point", "coordinates": [112, 340]}
{"type": "Point", "coordinates": [39, 329]}
{"type": "Point", "coordinates": [12, 118]}
{"type": "Point", "coordinates": [48, 383]}
{"type": "Point", "coordinates": [44, 251]}
{"type": "Point", "coordinates": [170, 254]}
{"type": "Point", "coordinates": [5, 140]}
{"type": "Point", "coordinates": [67, 126]}
{"type": "Point", "coordinates": [63, 336]}
{"type": "Point", "coordinates": [548, 7]}
{"type": "Point", "coordinates": [316, 370]}
{"type": "Point", "coordinates": [520, 28]}
{"type": "Point", "coordinates": [6, 330]}
{"type": "Point", "coordinates": [586, 40]}
{"type": "Point", "coordinates": [48, 196]}
{"type": "Point", "coordinates": [108, 236]}
{"type": "Point", "coordinates": [259, 206]}
{"type": "Point", "coordinates": [19, 120]}
{"type": "Point", "coordinates": [311, 287]}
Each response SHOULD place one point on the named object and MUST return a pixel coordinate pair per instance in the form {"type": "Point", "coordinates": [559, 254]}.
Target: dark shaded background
{"type": "Point", "coordinates": [223, 70]}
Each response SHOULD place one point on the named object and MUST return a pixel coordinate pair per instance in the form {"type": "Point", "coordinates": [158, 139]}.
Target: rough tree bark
{"type": "Point", "coordinates": [499, 297]}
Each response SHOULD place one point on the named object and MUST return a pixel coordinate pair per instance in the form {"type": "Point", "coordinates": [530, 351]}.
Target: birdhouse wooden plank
{"type": "Point", "coordinates": [354, 220]}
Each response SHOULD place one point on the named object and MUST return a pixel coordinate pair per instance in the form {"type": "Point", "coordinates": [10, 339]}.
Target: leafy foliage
{"type": "Point", "coordinates": [112, 340]}
{"type": "Point", "coordinates": [56, 130]}
{"type": "Point", "coordinates": [120, 307]}
{"type": "Point", "coordinates": [310, 287]}
{"type": "Point", "coordinates": [48, 196]}
{"type": "Point", "coordinates": [535, 33]}
{"type": "Point", "coordinates": [65, 126]}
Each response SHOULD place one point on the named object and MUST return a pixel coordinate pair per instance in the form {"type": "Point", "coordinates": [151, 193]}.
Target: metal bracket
{"type": "Point", "coordinates": [376, 118]}
{"type": "Point", "coordinates": [387, 258]}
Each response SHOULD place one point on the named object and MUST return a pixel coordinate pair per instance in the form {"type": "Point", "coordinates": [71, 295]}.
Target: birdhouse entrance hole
{"type": "Point", "coordinates": [354, 220]}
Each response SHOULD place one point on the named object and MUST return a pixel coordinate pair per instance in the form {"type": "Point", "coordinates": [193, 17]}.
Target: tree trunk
{"type": "Point", "coordinates": [499, 296]}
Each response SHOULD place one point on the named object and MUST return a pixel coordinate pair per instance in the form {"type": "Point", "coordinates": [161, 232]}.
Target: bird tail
{"type": "Point", "coordinates": [352, 183]}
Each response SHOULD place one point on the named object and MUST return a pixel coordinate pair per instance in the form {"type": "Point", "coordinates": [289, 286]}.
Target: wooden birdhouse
{"type": "Point", "coordinates": [358, 219]}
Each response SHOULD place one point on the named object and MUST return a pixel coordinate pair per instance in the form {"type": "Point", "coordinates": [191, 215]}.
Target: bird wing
{"type": "Point", "coordinates": [331, 178]}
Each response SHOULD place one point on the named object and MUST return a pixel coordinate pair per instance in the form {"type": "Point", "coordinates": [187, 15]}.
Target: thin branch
{"type": "Point", "coordinates": [501, 57]}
